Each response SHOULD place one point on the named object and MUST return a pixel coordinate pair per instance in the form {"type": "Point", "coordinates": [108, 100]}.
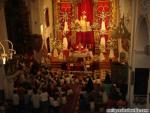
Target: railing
{"type": "Point", "coordinates": [72, 65]}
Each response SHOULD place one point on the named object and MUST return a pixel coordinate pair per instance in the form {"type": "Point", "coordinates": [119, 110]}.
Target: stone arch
{"type": "Point", "coordinates": [142, 34]}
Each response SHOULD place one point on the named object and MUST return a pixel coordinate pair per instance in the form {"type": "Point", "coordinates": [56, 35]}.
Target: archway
{"type": "Point", "coordinates": [141, 60]}
{"type": "Point", "coordinates": [142, 36]}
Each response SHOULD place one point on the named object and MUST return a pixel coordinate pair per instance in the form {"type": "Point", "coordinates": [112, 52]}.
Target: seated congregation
{"type": "Point", "coordinates": [40, 89]}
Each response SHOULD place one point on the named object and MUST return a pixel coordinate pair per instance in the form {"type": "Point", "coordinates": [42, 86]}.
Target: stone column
{"type": "Point", "coordinates": [3, 29]}
{"type": "Point", "coordinates": [3, 36]}
{"type": "Point", "coordinates": [2, 75]}
{"type": "Point", "coordinates": [148, 93]}
{"type": "Point", "coordinates": [134, 17]}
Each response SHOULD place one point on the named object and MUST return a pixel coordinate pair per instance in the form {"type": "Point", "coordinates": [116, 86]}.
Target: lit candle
{"type": "Point", "coordinates": [4, 60]}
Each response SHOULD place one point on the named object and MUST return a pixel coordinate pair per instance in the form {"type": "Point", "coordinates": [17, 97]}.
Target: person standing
{"type": "Point", "coordinates": [44, 101]}
{"type": "Point", "coordinates": [35, 99]}
{"type": "Point", "coordinates": [15, 102]}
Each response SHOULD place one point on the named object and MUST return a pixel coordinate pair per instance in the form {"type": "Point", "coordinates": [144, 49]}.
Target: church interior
{"type": "Point", "coordinates": [74, 56]}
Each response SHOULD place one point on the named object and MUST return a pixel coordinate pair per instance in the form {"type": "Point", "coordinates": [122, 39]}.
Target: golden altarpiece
{"type": "Point", "coordinates": [89, 29]}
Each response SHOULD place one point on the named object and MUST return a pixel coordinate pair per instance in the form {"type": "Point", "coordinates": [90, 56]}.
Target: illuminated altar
{"type": "Point", "coordinates": [88, 28]}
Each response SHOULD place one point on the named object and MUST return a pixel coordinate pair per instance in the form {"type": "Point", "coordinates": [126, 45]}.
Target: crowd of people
{"type": "Point", "coordinates": [98, 95]}
{"type": "Point", "coordinates": [39, 89]}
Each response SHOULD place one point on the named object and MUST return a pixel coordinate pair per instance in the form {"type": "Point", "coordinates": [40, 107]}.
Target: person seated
{"type": "Point", "coordinates": [64, 99]}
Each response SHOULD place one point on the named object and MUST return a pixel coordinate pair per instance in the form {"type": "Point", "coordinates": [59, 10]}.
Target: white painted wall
{"type": "Point", "coordinates": [141, 40]}
{"type": "Point", "coordinates": [48, 4]}
{"type": "Point", "coordinates": [37, 11]}
{"type": "Point", "coordinates": [142, 34]}
{"type": "Point", "coordinates": [142, 61]}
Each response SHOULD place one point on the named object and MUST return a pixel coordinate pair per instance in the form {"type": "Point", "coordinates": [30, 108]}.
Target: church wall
{"type": "Point", "coordinates": [49, 29]}
{"type": "Point", "coordinates": [38, 18]}
{"type": "Point", "coordinates": [3, 29]}
{"type": "Point", "coordinates": [3, 36]}
{"type": "Point", "coordinates": [47, 22]}
{"type": "Point", "coordinates": [34, 16]}
{"type": "Point", "coordinates": [142, 36]}
{"type": "Point", "coordinates": [142, 61]}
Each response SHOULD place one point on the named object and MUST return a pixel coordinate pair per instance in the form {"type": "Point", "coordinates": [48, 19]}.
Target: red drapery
{"type": "Point", "coordinates": [66, 8]}
{"type": "Point", "coordinates": [85, 38]}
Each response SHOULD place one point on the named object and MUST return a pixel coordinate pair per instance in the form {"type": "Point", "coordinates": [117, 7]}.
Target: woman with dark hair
{"type": "Point", "coordinates": [107, 84]}
{"type": "Point", "coordinates": [89, 86]}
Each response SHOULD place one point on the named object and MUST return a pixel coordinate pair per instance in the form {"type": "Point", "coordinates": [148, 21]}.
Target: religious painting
{"type": "Point", "coordinates": [47, 17]}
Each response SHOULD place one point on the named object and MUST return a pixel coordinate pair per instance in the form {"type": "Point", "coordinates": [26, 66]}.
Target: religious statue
{"type": "Point", "coordinates": [65, 43]}
{"type": "Point", "coordinates": [103, 16]}
{"type": "Point", "coordinates": [66, 29]}
{"type": "Point", "coordinates": [61, 56]}
{"type": "Point", "coordinates": [83, 23]}
{"type": "Point", "coordinates": [55, 53]}
{"type": "Point", "coordinates": [102, 44]}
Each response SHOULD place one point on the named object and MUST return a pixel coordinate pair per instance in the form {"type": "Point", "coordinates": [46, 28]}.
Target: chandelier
{"type": "Point", "coordinates": [5, 56]}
